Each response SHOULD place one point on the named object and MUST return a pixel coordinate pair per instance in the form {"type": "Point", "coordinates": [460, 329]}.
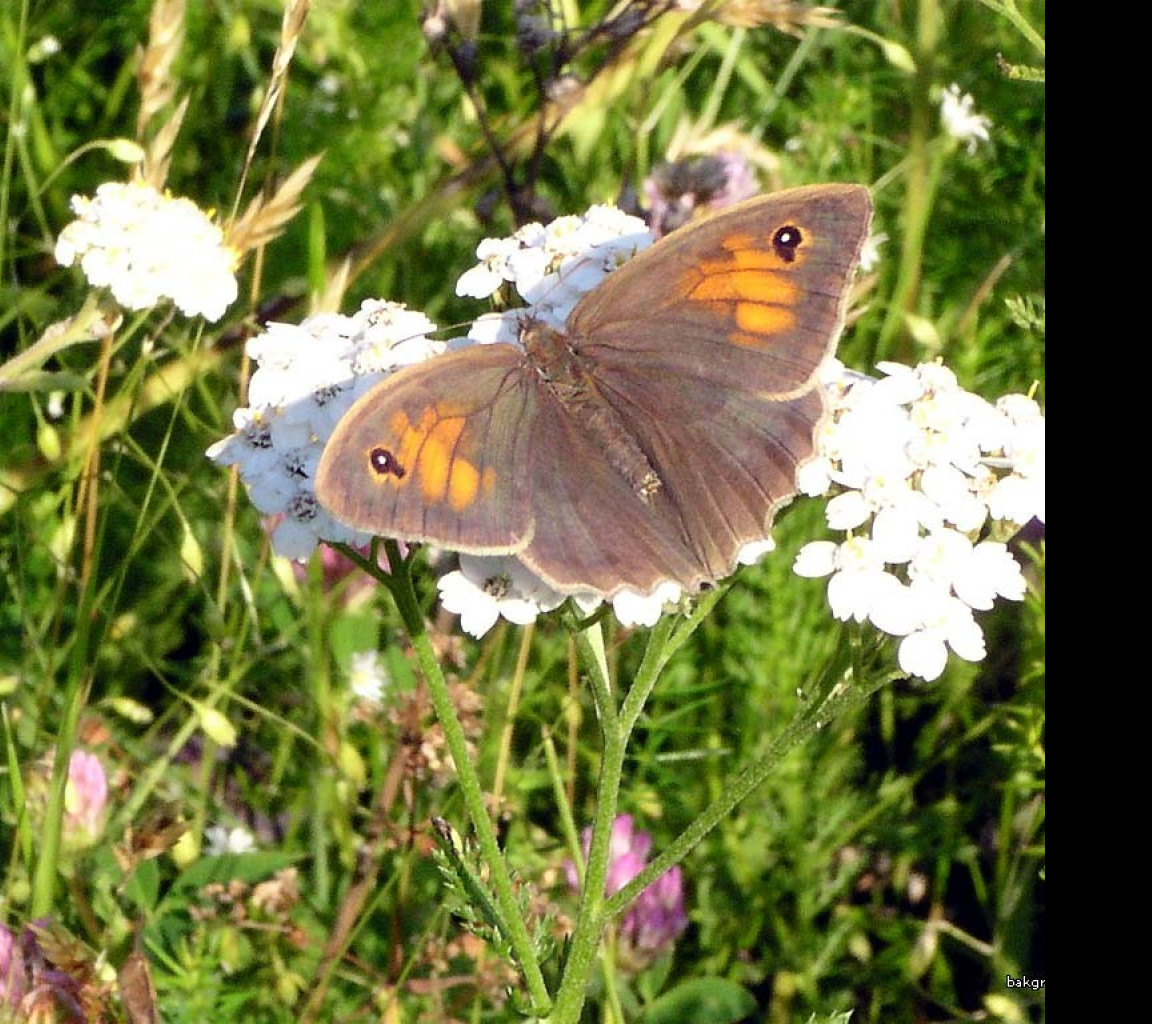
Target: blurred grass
{"type": "Point", "coordinates": [894, 866]}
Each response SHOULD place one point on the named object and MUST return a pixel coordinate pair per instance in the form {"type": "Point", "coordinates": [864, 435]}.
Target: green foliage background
{"type": "Point", "coordinates": [893, 866]}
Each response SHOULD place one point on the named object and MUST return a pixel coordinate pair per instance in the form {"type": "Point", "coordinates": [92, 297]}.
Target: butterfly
{"type": "Point", "coordinates": [651, 439]}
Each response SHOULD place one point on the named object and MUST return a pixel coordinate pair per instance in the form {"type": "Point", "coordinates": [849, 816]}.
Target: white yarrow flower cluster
{"type": "Point", "coordinates": [923, 473]}
{"type": "Point", "coordinates": [550, 267]}
{"type": "Point", "coordinates": [307, 377]}
{"type": "Point", "coordinates": [960, 120]}
{"type": "Point", "coordinates": [145, 247]}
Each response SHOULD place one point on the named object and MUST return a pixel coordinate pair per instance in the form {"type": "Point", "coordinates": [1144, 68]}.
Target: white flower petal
{"type": "Point", "coordinates": [479, 282]}
{"type": "Point", "coordinates": [478, 610]}
{"type": "Point", "coordinates": [960, 120]}
{"type": "Point", "coordinates": [894, 609]}
{"type": "Point", "coordinates": [896, 534]}
{"type": "Point", "coordinates": [847, 511]}
{"type": "Point", "coordinates": [751, 553]}
{"type": "Point", "coordinates": [852, 594]}
{"type": "Point", "coordinates": [633, 609]}
{"type": "Point", "coordinates": [965, 637]}
{"type": "Point", "coordinates": [367, 676]}
{"type": "Point", "coordinates": [923, 654]}
{"type": "Point", "coordinates": [816, 559]}
{"type": "Point", "coordinates": [814, 477]}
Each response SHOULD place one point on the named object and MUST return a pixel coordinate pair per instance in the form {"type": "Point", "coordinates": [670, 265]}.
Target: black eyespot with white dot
{"type": "Point", "coordinates": [384, 463]}
{"type": "Point", "coordinates": [786, 241]}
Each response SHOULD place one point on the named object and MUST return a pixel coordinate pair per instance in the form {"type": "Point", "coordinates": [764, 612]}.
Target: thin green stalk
{"type": "Point", "coordinates": [614, 1009]}
{"type": "Point", "coordinates": [80, 327]}
{"type": "Point", "coordinates": [327, 718]}
{"type": "Point", "coordinates": [19, 75]}
{"type": "Point", "coordinates": [505, 751]}
{"type": "Point", "coordinates": [563, 807]}
{"type": "Point", "coordinates": [666, 638]}
{"type": "Point", "coordinates": [75, 697]}
{"type": "Point", "coordinates": [400, 584]}
{"type": "Point", "coordinates": [655, 658]}
{"type": "Point", "coordinates": [813, 716]}
{"type": "Point", "coordinates": [1008, 9]}
{"type": "Point", "coordinates": [919, 191]}
{"type": "Point", "coordinates": [80, 663]}
{"type": "Point", "coordinates": [18, 801]}
{"type": "Point", "coordinates": [590, 918]}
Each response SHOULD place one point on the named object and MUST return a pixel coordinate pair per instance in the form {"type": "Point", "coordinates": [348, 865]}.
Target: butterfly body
{"type": "Point", "coordinates": [651, 439]}
{"type": "Point", "coordinates": [569, 379]}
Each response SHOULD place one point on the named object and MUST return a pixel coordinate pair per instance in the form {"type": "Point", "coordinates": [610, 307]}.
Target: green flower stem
{"type": "Point", "coordinates": [656, 656]}
{"type": "Point", "coordinates": [1009, 10]}
{"type": "Point", "coordinates": [665, 639]}
{"type": "Point", "coordinates": [329, 735]}
{"type": "Point", "coordinates": [77, 328]}
{"type": "Point", "coordinates": [814, 715]}
{"type": "Point", "coordinates": [613, 1008]}
{"type": "Point", "coordinates": [567, 822]}
{"type": "Point", "coordinates": [400, 584]}
{"type": "Point", "coordinates": [590, 916]}
{"type": "Point", "coordinates": [920, 183]}
{"type": "Point", "coordinates": [75, 697]}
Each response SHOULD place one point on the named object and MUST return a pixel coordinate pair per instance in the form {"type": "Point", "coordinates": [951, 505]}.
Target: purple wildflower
{"type": "Point", "coordinates": [657, 917]}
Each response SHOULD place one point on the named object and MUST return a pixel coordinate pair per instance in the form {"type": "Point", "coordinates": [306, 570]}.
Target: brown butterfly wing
{"type": "Point", "coordinates": [439, 452]}
{"type": "Point", "coordinates": [591, 531]}
{"type": "Point", "coordinates": [726, 459]}
{"type": "Point", "coordinates": [751, 298]}
{"type": "Point", "coordinates": [712, 366]}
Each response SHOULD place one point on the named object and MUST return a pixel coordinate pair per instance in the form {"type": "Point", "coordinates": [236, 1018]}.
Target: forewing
{"type": "Point", "coordinates": [752, 298]}
{"type": "Point", "coordinates": [439, 452]}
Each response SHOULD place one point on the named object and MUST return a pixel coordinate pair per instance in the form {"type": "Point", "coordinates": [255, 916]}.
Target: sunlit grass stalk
{"type": "Point", "coordinates": [327, 721]}
{"type": "Point", "coordinates": [514, 694]}
{"type": "Point", "coordinates": [1009, 10]}
{"type": "Point", "coordinates": [75, 697]}
{"type": "Point", "coordinates": [590, 918]}
{"type": "Point", "coordinates": [17, 43]}
{"type": "Point", "coordinates": [922, 176]}
{"type": "Point", "coordinates": [401, 587]}
{"type": "Point", "coordinates": [835, 699]}
{"type": "Point", "coordinates": [80, 665]}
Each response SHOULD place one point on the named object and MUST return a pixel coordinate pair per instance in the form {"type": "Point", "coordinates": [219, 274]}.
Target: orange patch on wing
{"type": "Point", "coordinates": [763, 318]}
{"type": "Point", "coordinates": [738, 242]}
{"type": "Point", "coordinates": [434, 463]}
{"type": "Point", "coordinates": [427, 449]}
{"type": "Point", "coordinates": [756, 259]}
{"type": "Point", "coordinates": [720, 283]}
{"type": "Point", "coordinates": [465, 482]}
